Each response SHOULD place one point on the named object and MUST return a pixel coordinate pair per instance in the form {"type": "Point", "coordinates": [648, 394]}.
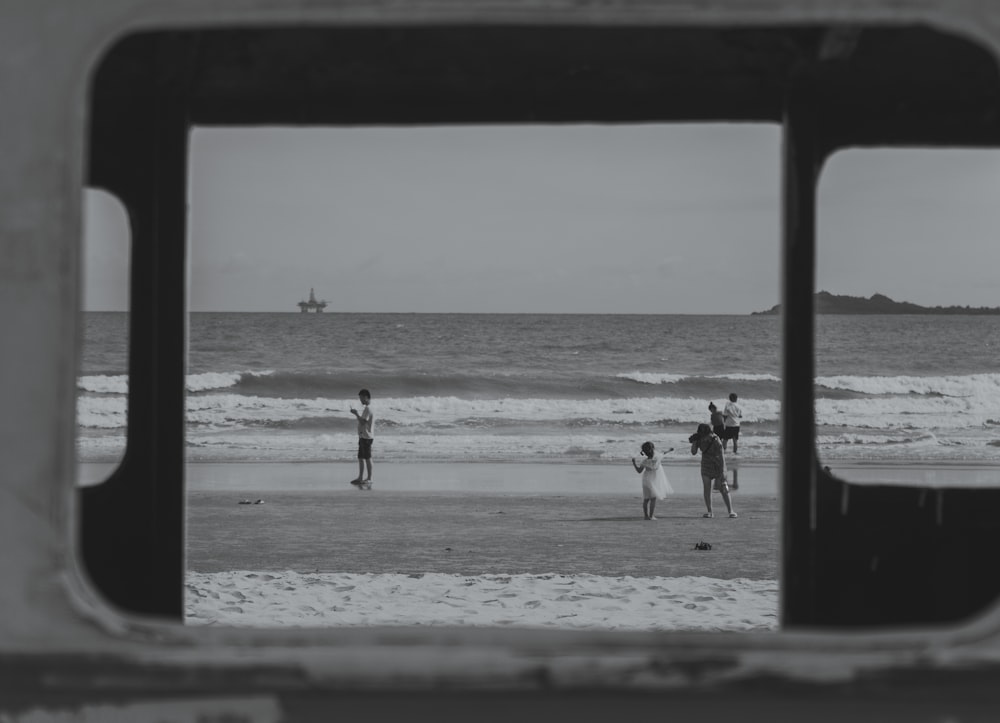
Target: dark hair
{"type": "Point", "coordinates": [703, 430]}
{"type": "Point", "coordinates": [365, 393]}
{"type": "Point", "coordinates": [647, 449]}
{"type": "Point", "coordinates": [732, 397]}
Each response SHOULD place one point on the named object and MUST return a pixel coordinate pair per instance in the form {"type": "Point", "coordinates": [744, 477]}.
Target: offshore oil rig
{"type": "Point", "coordinates": [312, 305]}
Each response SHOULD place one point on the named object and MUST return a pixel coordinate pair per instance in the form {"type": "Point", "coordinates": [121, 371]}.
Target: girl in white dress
{"type": "Point", "coordinates": [654, 480]}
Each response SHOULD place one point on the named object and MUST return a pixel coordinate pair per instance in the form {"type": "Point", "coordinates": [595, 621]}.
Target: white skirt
{"type": "Point", "coordinates": [655, 484]}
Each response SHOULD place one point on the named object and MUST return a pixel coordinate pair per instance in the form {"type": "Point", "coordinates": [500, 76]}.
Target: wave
{"type": "Point", "coordinates": [228, 410]}
{"type": "Point", "coordinates": [971, 385]}
{"type": "Point", "coordinates": [953, 385]}
{"type": "Point", "coordinates": [652, 377]}
{"type": "Point", "coordinates": [492, 384]}
{"type": "Point", "coordinates": [103, 384]}
{"type": "Point", "coordinates": [486, 384]}
{"type": "Point", "coordinates": [668, 378]}
{"type": "Point", "coordinates": [206, 381]}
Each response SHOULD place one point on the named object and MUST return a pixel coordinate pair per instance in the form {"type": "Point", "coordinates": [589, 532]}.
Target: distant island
{"type": "Point", "coordinates": [827, 303]}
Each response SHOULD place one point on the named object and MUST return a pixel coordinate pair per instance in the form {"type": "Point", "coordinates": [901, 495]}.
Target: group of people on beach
{"type": "Point", "coordinates": [710, 440]}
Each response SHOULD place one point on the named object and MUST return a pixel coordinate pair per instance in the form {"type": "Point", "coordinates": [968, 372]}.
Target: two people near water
{"type": "Point", "coordinates": [366, 437]}
{"type": "Point", "coordinates": [655, 485]}
{"type": "Point", "coordinates": [726, 424]}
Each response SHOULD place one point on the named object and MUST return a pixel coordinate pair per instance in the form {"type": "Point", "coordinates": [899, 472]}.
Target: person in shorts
{"type": "Point", "coordinates": [366, 436]}
{"type": "Point", "coordinates": [733, 414]}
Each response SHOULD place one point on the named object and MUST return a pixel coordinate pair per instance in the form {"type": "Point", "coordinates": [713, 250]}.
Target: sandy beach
{"type": "Point", "coordinates": [317, 552]}
{"type": "Point", "coordinates": [498, 544]}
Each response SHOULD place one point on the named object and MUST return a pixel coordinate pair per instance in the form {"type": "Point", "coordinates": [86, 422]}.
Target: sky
{"type": "Point", "coordinates": [672, 219]}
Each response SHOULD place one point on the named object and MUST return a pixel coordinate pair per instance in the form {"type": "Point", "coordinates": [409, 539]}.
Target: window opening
{"type": "Point", "coordinates": [908, 320]}
{"type": "Point", "coordinates": [102, 385]}
{"type": "Point", "coordinates": [527, 305]}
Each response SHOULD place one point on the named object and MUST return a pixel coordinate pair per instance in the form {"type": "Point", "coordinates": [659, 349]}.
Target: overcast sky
{"type": "Point", "coordinates": [605, 219]}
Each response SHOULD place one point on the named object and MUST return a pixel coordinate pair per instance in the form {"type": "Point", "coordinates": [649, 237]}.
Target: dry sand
{"type": "Point", "coordinates": [344, 557]}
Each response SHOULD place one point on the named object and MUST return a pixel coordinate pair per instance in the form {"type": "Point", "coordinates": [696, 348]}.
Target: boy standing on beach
{"type": "Point", "coordinates": [366, 435]}
{"type": "Point", "coordinates": [733, 414]}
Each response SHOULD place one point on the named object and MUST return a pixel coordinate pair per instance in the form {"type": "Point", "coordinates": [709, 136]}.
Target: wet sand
{"type": "Point", "coordinates": [338, 556]}
{"type": "Point", "coordinates": [409, 532]}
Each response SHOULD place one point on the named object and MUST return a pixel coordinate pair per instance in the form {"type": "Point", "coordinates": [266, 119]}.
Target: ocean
{"type": "Point", "coordinates": [552, 388]}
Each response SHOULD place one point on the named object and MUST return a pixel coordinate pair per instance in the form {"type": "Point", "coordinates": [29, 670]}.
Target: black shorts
{"type": "Point", "coordinates": [732, 433]}
{"type": "Point", "coordinates": [365, 448]}
{"type": "Point", "coordinates": [720, 431]}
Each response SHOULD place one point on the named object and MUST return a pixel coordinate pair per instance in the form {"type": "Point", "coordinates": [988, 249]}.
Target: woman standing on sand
{"type": "Point", "coordinates": [654, 480]}
{"type": "Point", "coordinates": [713, 466]}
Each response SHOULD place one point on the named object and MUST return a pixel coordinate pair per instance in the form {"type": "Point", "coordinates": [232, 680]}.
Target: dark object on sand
{"type": "Point", "coordinates": [702, 546]}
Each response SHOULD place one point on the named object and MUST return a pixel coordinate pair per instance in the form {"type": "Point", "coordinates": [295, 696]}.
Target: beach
{"type": "Point", "coordinates": [490, 544]}
{"type": "Point", "coordinates": [548, 552]}
{"type": "Point", "coordinates": [503, 491]}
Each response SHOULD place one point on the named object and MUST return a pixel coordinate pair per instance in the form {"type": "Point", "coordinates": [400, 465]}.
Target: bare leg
{"type": "Point", "coordinates": [368, 464]}
{"type": "Point", "coordinates": [361, 468]}
{"type": "Point", "coordinates": [727, 499]}
{"type": "Point", "coordinates": [652, 508]}
{"type": "Point", "coordinates": [707, 485]}
{"type": "Point", "coordinates": [645, 508]}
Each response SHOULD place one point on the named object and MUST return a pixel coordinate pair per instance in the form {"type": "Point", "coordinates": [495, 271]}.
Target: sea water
{"type": "Point", "coordinates": [569, 388]}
